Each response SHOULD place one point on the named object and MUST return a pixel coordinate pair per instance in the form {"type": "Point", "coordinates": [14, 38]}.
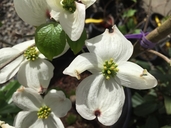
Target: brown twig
{"type": "Point", "coordinates": [161, 56]}
{"type": "Point", "coordinates": [8, 62]}
{"type": "Point", "coordinates": [5, 42]}
{"type": "Point", "coordinates": [147, 18]}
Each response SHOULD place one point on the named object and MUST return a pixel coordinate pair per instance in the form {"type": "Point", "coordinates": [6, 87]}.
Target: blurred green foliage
{"type": "Point", "coordinates": [129, 22]}
{"type": "Point", "coordinates": [0, 23]}
{"type": "Point", "coordinates": [151, 108]}
{"type": "Point", "coordinates": [8, 110]}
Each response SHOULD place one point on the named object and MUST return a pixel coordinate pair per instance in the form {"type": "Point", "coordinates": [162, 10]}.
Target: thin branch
{"type": "Point", "coordinates": [8, 62]}
{"type": "Point", "coordinates": [148, 16]}
{"type": "Point", "coordinates": [5, 42]}
{"type": "Point", "coordinates": [161, 56]}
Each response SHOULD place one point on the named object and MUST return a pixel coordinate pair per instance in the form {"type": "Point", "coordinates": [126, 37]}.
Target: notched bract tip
{"type": "Point", "coordinates": [144, 73]}
{"type": "Point", "coordinates": [21, 89]}
{"type": "Point", "coordinates": [77, 75]}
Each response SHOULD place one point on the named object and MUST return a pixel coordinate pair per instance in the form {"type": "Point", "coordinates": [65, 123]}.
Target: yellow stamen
{"type": "Point", "coordinates": [109, 69]}
{"type": "Point", "coordinates": [44, 112]}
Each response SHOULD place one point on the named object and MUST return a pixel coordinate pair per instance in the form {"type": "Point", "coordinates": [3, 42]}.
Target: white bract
{"type": "Point", "coordinates": [5, 125]}
{"type": "Point", "coordinates": [70, 14]}
{"type": "Point", "coordinates": [34, 12]}
{"type": "Point", "coordinates": [33, 69]}
{"type": "Point", "coordinates": [101, 94]}
{"type": "Point", "coordinates": [40, 112]}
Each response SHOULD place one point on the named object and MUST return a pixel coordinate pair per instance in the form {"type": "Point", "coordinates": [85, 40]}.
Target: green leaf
{"type": "Point", "coordinates": [129, 13]}
{"type": "Point", "coordinates": [3, 102]}
{"type": "Point", "coordinates": [166, 126]}
{"type": "Point", "coordinates": [159, 75]}
{"type": "Point", "coordinates": [76, 46]}
{"type": "Point", "coordinates": [123, 29]}
{"type": "Point", "coordinates": [145, 108]}
{"type": "Point", "coordinates": [10, 89]}
{"type": "Point", "coordinates": [9, 119]}
{"type": "Point", "coordinates": [169, 52]}
{"type": "Point", "coordinates": [150, 97]}
{"type": "Point", "coordinates": [143, 64]}
{"type": "Point", "coordinates": [2, 94]}
{"type": "Point", "coordinates": [151, 122]}
{"type": "Point", "coordinates": [134, 1]}
{"type": "Point", "coordinates": [71, 119]}
{"type": "Point", "coordinates": [130, 24]}
{"type": "Point", "coordinates": [8, 109]}
{"type": "Point", "coordinates": [165, 88]}
{"type": "Point", "coordinates": [162, 109]}
{"type": "Point", "coordinates": [137, 31]}
{"type": "Point", "coordinates": [137, 99]}
{"type": "Point", "coordinates": [167, 103]}
{"type": "Point", "coordinates": [50, 39]}
{"type": "Point", "coordinates": [152, 92]}
{"type": "Point", "coordinates": [0, 24]}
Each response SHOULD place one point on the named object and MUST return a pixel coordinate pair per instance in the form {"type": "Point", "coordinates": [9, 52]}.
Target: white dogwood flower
{"type": "Point", "coordinates": [40, 112]}
{"type": "Point", "coordinates": [5, 125]}
{"type": "Point", "coordinates": [71, 15]}
{"type": "Point", "coordinates": [34, 12]}
{"type": "Point", "coordinates": [101, 94]}
{"type": "Point", "coordinates": [33, 69]}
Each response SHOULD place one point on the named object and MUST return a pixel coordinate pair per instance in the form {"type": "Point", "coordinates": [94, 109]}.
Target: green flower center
{"type": "Point", "coordinates": [69, 5]}
{"type": "Point", "coordinates": [110, 69]}
{"type": "Point", "coordinates": [31, 53]}
{"type": "Point", "coordinates": [44, 112]}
